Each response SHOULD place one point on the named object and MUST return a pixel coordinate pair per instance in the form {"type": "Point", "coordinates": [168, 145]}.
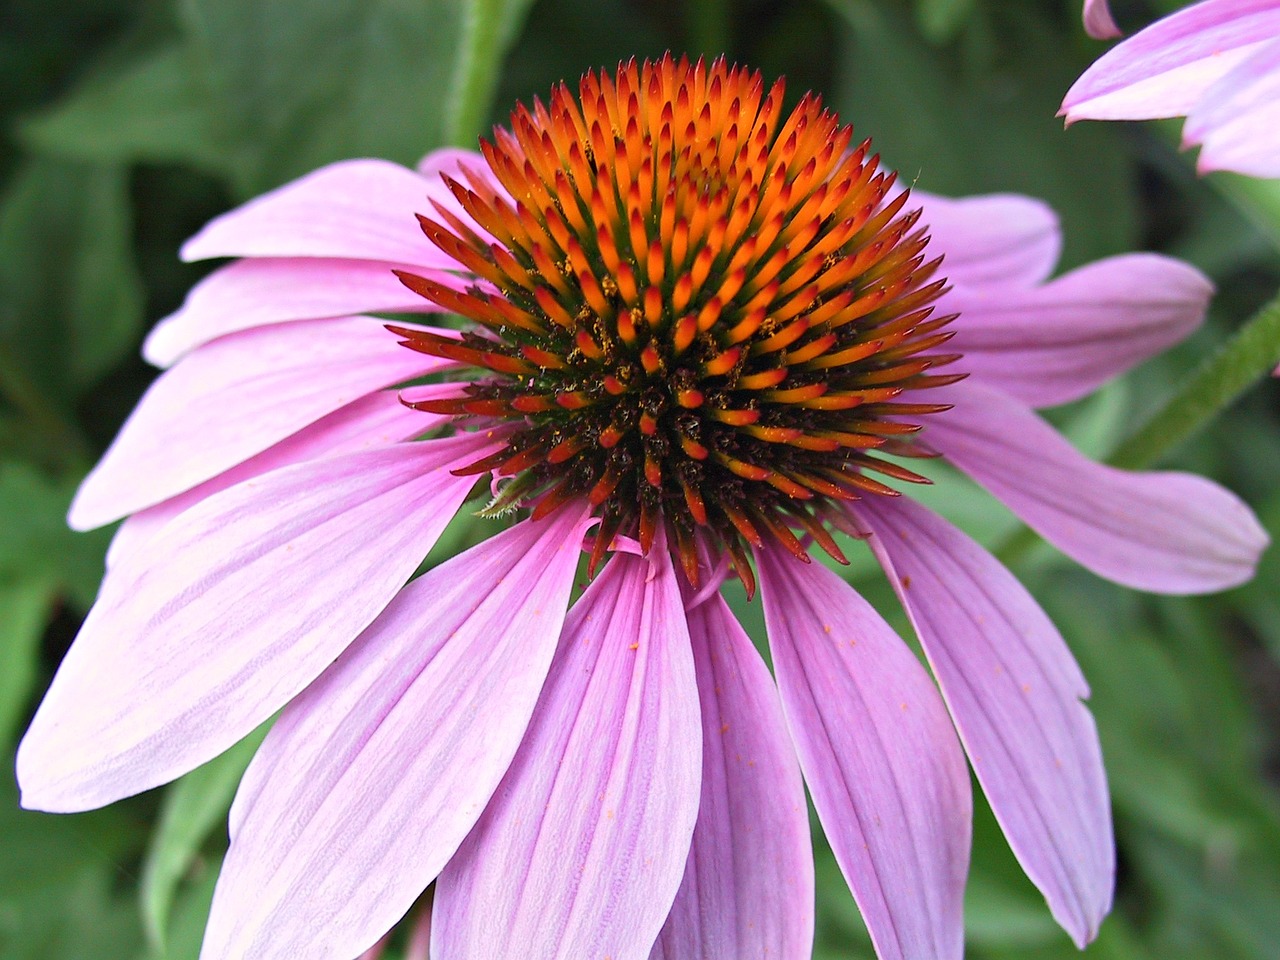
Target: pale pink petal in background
{"type": "Point", "coordinates": [583, 847]}
{"type": "Point", "coordinates": [1098, 21]}
{"type": "Point", "coordinates": [234, 608]}
{"type": "Point", "coordinates": [1164, 70]}
{"type": "Point", "coordinates": [748, 885]}
{"type": "Point", "coordinates": [1159, 531]}
{"type": "Point", "coordinates": [880, 756]}
{"type": "Point", "coordinates": [1015, 692]}
{"type": "Point", "coordinates": [1238, 120]}
{"type": "Point", "coordinates": [376, 772]}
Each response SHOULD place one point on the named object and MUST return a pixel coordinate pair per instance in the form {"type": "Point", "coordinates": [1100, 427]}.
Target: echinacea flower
{"type": "Point", "coordinates": [695, 330]}
{"type": "Point", "coordinates": [1216, 62]}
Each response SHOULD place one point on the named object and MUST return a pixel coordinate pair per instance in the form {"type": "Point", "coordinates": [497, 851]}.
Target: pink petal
{"type": "Point", "coordinates": [882, 761]}
{"type": "Point", "coordinates": [454, 162]}
{"type": "Point", "coordinates": [1054, 344]}
{"type": "Point", "coordinates": [1098, 22]}
{"type": "Point", "coordinates": [376, 772]}
{"type": "Point", "coordinates": [748, 885]}
{"type": "Point", "coordinates": [353, 210]}
{"type": "Point", "coordinates": [999, 238]}
{"type": "Point", "coordinates": [581, 850]}
{"type": "Point", "coordinates": [377, 420]}
{"type": "Point", "coordinates": [1238, 121]}
{"type": "Point", "coordinates": [235, 607]}
{"type": "Point", "coordinates": [1165, 69]}
{"type": "Point", "coordinates": [1162, 532]}
{"type": "Point", "coordinates": [255, 293]}
{"type": "Point", "coordinates": [1015, 693]}
{"type": "Point", "coordinates": [234, 398]}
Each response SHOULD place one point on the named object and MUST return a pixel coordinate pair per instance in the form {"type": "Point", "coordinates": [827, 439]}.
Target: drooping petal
{"type": "Point", "coordinates": [377, 420]}
{"type": "Point", "coordinates": [748, 885]}
{"type": "Point", "coordinates": [999, 238]}
{"type": "Point", "coordinates": [255, 293]}
{"type": "Point", "coordinates": [1238, 120]}
{"type": "Point", "coordinates": [1098, 21]}
{"type": "Point", "coordinates": [233, 608]}
{"type": "Point", "coordinates": [1164, 70]}
{"type": "Point", "coordinates": [375, 773]}
{"type": "Point", "coordinates": [356, 210]}
{"type": "Point", "coordinates": [1015, 693]}
{"type": "Point", "coordinates": [234, 398]}
{"type": "Point", "coordinates": [1159, 531]}
{"type": "Point", "coordinates": [1059, 342]}
{"type": "Point", "coordinates": [881, 758]}
{"type": "Point", "coordinates": [581, 850]}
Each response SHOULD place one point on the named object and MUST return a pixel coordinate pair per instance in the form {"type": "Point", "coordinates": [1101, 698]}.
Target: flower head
{"type": "Point", "coordinates": [691, 328]}
{"type": "Point", "coordinates": [674, 331]}
{"type": "Point", "coordinates": [1216, 62]}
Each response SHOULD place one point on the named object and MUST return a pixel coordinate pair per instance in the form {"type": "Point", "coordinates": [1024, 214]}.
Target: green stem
{"type": "Point", "coordinates": [707, 23]}
{"type": "Point", "coordinates": [487, 29]}
{"type": "Point", "coordinates": [1249, 356]}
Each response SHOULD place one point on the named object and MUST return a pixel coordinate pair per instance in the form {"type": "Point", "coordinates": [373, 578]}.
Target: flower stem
{"type": "Point", "coordinates": [707, 24]}
{"type": "Point", "coordinates": [488, 28]}
{"type": "Point", "coordinates": [1251, 354]}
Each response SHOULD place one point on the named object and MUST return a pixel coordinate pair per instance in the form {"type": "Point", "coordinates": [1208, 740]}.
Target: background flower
{"type": "Point", "coordinates": [1216, 62]}
{"type": "Point", "coordinates": [138, 125]}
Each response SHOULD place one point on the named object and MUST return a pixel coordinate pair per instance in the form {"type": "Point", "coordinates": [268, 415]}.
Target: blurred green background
{"type": "Point", "coordinates": [128, 123]}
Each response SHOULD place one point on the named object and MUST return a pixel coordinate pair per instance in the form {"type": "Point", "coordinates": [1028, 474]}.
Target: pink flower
{"type": "Point", "coordinates": [624, 779]}
{"type": "Point", "coordinates": [1216, 62]}
{"type": "Point", "coordinates": [1098, 21]}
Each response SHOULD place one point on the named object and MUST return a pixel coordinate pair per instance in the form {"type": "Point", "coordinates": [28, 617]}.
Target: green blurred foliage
{"type": "Point", "coordinates": [125, 125]}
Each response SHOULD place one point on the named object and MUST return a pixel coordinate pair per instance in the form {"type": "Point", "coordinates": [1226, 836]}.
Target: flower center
{"type": "Point", "coordinates": [695, 312]}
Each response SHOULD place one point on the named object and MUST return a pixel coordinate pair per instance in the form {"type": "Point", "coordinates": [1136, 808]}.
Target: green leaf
{"type": "Point", "coordinates": [190, 917]}
{"type": "Point", "coordinates": [996, 916]}
{"type": "Point", "coordinates": [35, 541]}
{"type": "Point", "coordinates": [151, 109]}
{"type": "Point", "coordinates": [70, 299]}
{"type": "Point", "coordinates": [58, 877]}
{"type": "Point", "coordinates": [40, 852]}
{"type": "Point", "coordinates": [192, 808]}
{"type": "Point", "coordinates": [1001, 906]}
{"type": "Point", "coordinates": [1259, 600]}
{"type": "Point", "coordinates": [489, 27]}
{"type": "Point", "coordinates": [1208, 903]}
{"type": "Point", "coordinates": [81, 919]}
{"type": "Point", "coordinates": [301, 84]}
{"type": "Point", "coordinates": [25, 606]}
